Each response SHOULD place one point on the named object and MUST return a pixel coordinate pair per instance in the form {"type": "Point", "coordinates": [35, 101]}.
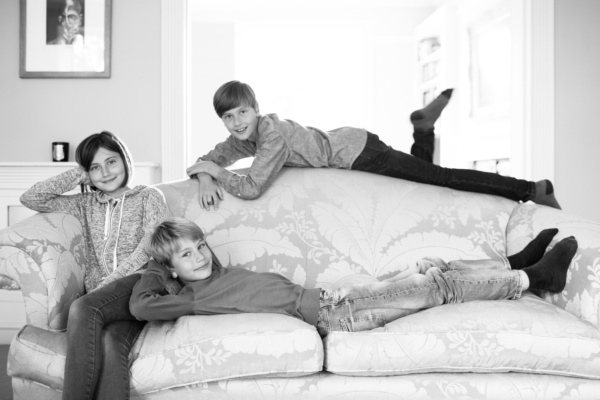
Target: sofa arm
{"type": "Point", "coordinates": [44, 256]}
{"type": "Point", "coordinates": [581, 295]}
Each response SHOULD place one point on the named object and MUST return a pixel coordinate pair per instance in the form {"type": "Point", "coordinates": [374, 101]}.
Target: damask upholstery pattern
{"type": "Point", "coordinates": [343, 229]}
{"type": "Point", "coordinates": [330, 228]}
{"type": "Point", "coordinates": [581, 296]}
{"type": "Point", "coordinates": [527, 335]}
{"type": "Point", "coordinates": [43, 256]}
{"type": "Point", "coordinates": [208, 348]}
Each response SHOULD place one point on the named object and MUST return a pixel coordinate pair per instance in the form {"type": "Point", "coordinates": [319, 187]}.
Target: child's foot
{"type": "Point", "coordinates": [534, 251]}
{"type": "Point", "coordinates": [425, 118]}
{"type": "Point", "coordinates": [544, 194]}
{"type": "Point", "coordinates": [550, 273]}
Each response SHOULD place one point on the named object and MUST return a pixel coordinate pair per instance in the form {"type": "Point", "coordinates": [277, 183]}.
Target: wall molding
{"type": "Point", "coordinates": [539, 160]}
{"type": "Point", "coordinates": [175, 102]}
{"type": "Point", "coordinates": [22, 175]}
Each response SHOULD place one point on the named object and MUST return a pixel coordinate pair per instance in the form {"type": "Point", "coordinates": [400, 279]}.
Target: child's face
{"type": "Point", "coordinates": [107, 172]}
{"type": "Point", "coordinates": [193, 261]}
{"type": "Point", "coordinates": [241, 122]}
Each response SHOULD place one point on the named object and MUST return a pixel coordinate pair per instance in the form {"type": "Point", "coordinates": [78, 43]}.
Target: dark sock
{"type": "Point", "coordinates": [447, 93]}
{"type": "Point", "coordinates": [425, 118]}
{"type": "Point", "coordinates": [544, 194]}
{"type": "Point", "coordinates": [550, 273]}
{"type": "Point", "coordinates": [534, 250]}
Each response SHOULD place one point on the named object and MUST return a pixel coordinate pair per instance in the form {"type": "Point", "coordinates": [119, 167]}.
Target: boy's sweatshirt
{"type": "Point", "coordinates": [280, 142]}
{"type": "Point", "coordinates": [226, 291]}
{"type": "Point", "coordinates": [115, 231]}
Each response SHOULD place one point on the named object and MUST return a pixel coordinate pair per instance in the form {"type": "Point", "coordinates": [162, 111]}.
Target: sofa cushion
{"type": "Point", "coordinates": [581, 296]}
{"type": "Point", "coordinates": [38, 355]}
{"type": "Point", "coordinates": [527, 335]}
{"type": "Point", "coordinates": [198, 349]}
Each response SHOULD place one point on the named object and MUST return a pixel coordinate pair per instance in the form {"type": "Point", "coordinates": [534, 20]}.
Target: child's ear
{"type": "Point", "coordinates": [173, 273]}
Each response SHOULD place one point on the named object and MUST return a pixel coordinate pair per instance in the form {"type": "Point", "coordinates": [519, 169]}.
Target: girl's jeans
{"type": "Point", "coordinates": [432, 282]}
{"type": "Point", "coordinates": [100, 333]}
{"type": "Point", "coordinates": [379, 158]}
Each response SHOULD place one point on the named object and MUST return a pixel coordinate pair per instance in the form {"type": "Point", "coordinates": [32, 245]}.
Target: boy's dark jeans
{"type": "Point", "coordinates": [379, 158]}
{"type": "Point", "coordinates": [101, 332]}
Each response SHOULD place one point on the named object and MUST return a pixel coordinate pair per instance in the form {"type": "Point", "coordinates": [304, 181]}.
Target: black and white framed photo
{"type": "Point", "coordinates": [65, 38]}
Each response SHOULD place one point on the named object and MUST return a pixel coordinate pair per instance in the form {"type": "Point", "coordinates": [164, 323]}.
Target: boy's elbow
{"type": "Point", "coordinates": [139, 311]}
{"type": "Point", "coordinates": [252, 192]}
{"type": "Point", "coordinates": [253, 195]}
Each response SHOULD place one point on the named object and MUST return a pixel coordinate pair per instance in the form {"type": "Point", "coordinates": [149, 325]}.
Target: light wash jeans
{"type": "Point", "coordinates": [431, 282]}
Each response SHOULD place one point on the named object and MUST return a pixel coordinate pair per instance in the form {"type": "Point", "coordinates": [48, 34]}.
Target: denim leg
{"type": "Point", "coordinates": [423, 145]}
{"type": "Point", "coordinates": [88, 316]}
{"type": "Point", "coordinates": [423, 265]}
{"type": "Point", "coordinates": [117, 340]}
{"type": "Point", "coordinates": [372, 305]}
{"type": "Point", "coordinates": [379, 158]}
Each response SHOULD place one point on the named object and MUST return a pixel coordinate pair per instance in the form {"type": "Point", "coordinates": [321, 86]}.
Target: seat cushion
{"type": "Point", "coordinates": [198, 349]}
{"type": "Point", "coordinates": [38, 355]}
{"type": "Point", "coordinates": [527, 335]}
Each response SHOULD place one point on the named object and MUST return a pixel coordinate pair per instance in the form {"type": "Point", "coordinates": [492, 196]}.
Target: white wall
{"type": "Point", "coordinates": [577, 137]}
{"type": "Point", "coordinates": [36, 112]}
{"type": "Point", "coordinates": [321, 66]}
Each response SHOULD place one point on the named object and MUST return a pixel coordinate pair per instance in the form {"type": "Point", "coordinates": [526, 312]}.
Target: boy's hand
{"type": "Point", "coordinates": [207, 167]}
{"type": "Point", "coordinates": [210, 193]}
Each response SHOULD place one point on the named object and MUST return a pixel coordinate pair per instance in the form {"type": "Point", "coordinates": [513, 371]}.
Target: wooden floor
{"type": "Point", "coordinates": [5, 386]}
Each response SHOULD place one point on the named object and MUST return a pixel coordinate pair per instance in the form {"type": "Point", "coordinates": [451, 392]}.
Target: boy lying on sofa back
{"type": "Point", "coordinates": [179, 249]}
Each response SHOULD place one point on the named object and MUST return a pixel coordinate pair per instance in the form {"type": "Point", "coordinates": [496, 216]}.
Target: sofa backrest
{"type": "Point", "coordinates": [330, 227]}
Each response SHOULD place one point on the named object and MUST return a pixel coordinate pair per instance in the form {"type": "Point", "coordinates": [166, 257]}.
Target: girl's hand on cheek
{"type": "Point", "coordinates": [85, 177]}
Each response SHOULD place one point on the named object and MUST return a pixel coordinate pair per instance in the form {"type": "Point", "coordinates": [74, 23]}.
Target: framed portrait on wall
{"type": "Point", "coordinates": [65, 38]}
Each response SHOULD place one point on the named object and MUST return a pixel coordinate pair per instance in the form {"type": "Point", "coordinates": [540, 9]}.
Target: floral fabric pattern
{"type": "Point", "coordinates": [44, 256]}
{"type": "Point", "coordinates": [345, 228]}
{"type": "Point", "coordinates": [581, 296]}
{"type": "Point", "coordinates": [329, 228]}
{"type": "Point", "coordinates": [525, 335]}
{"type": "Point", "coordinates": [208, 348]}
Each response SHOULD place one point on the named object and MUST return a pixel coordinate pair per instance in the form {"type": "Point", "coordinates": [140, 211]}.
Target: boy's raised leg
{"type": "Point", "coordinates": [423, 122]}
{"type": "Point", "coordinates": [426, 117]}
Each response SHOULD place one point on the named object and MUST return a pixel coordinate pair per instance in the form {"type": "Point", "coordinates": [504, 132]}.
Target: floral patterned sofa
{"type": "Point", "coordinates": [326, 228]}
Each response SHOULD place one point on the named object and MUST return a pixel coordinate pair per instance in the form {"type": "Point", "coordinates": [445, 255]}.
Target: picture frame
{"type": "Point", "coordinates": [65, 38]}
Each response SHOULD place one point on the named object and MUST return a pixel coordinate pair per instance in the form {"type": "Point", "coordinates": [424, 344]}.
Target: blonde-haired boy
{"type": "Point", "coordinates": [179, 249]}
